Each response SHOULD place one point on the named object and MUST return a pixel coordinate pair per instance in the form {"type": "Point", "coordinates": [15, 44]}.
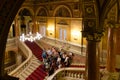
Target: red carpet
{"type": "Point", "coordinates": [36, 50]}
{"type": "Point", "coordinates": [39, 73]}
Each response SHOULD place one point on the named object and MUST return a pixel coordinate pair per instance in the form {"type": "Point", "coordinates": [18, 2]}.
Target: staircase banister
{"type": "Point", "coordinates": [24, 63]}
{"type": "Point", "coordinates": [64, 69]}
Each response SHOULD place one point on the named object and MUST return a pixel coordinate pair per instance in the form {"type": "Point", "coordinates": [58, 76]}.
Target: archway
{"type": "Point", "coordinates": [41, 16]}
{"type": "Point", "coordinates": [62, 14]}
{"type": "Point", "coordinates": [25, 21]}
{"type": "Point", "coordinates": [8, 11]}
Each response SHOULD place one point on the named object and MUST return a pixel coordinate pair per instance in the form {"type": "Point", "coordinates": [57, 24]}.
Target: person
{"type": "Point", "coordinates": [63, 57]}
{"type": "Point", "coordinates": [49, 52]}
{"type": "Point", "coordinates": [47, 66]}
{"type": "Point", "coordinates": [60, 65]}
{"type": "Point", "coordinates": [66, 61]}
{"type": "Point", "coordinates": [61, 52]}
{"type": "Point", "coordinates": [51, 71]}
{"type": "Point", "coordinates": [52, 67]}
{"type": "Point", "coordinates": [44, 57]}
{"type": "Point", "coordinates": [58, 62]}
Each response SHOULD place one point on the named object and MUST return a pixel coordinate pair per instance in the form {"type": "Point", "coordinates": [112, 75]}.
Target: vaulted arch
{"type": "Point", "coordinates": [26, 11]}
{"type": "Point", "coordinates": [62, 11]}
{"type": "Point", "coordinates": [42, 11]}
{"type": "Point", "coordinates": [105, 9]}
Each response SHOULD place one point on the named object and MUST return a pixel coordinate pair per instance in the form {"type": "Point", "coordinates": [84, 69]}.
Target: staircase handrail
{"type": "Point", "coordinates": [64, 69]}
{"type": "Point", "coordinates": [22, 46]}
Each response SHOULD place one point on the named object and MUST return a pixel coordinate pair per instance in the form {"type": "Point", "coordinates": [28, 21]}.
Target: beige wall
{"type": "Point", "coordinates": [51, 27]}
{"type": "Point", "coordinates": [76, 28]}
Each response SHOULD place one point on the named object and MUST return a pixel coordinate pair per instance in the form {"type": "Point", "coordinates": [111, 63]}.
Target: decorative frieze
{"type": "Point", "coordinates": [89, 24]}
{"type": "Point", "coordinates": [89, 11]}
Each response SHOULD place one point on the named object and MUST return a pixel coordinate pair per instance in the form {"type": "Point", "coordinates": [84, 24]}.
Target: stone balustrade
{"type": "Point", "coordinates": [27, 52]}
{"type": "Point", "coordinates": [76, 73]}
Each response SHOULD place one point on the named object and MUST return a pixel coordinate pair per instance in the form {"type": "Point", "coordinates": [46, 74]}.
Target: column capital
{"type": "Point", "coordinates": [94, 37]}
{"type": "Point", "coordinates": [112, 24]}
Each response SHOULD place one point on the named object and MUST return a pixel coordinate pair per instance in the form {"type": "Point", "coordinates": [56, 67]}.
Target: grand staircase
{"type": "Point", "coordinates": [39, 72]}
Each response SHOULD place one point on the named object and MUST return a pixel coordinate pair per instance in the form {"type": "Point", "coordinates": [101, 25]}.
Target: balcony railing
{"type": "Point", "coordinates": [66, 45]}
{"type": "Point", "coordinates": [76, 73]}
{"type": "Point", "coordinates": [11, 42]}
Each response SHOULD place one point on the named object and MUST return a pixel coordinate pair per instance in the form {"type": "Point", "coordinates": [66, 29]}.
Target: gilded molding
{"type": "Point", "coordinates": [112, 24]}
{"type": "Point", "coordinates": [94, 37]}
{"type": "Point", "coordinates": [90, 21]}
{"type": "Point", "coordinates": [89, 11]}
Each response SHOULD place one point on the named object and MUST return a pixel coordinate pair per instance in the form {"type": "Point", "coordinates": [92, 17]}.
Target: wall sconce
{"type": "Point", "coordinates": [75, 35]}
{"type": "Point", "coordinates": [50, 33]}
{"type": "Point", "coordinates": [50, 30]}
{"type": "Point", "coordinates": [75, 38]}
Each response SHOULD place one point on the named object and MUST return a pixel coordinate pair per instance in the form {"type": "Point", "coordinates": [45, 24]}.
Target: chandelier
{"type": "Point", "coordinates": [30, 37]}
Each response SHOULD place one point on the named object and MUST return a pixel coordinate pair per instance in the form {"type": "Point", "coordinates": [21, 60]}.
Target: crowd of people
{"type": "Point", "coordinates": [53, 59]}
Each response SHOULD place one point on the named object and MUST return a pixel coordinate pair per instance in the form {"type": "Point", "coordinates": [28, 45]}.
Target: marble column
{"type": "Point", "coordinates": [34, 24]}
{"type": "Point", "coordinates": [86, 66]}
{"type": "Point", "coordinates": [17, 33]}
{"type": "Point", "coordinates": [92, 60]}
{"type": "Point", "coordinates": [111, 52]}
